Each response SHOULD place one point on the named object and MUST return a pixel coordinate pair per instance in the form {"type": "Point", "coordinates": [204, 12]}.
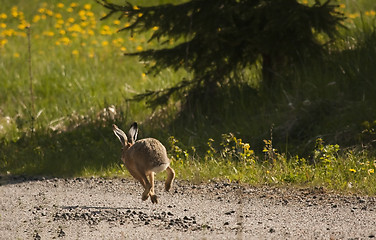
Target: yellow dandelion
{"type": "Point", "coordinates": [3, 42]}
{"type": "Point", "coordinates": [3, 16]}
{"type": "Point", "coordinates": [3, 25]}
{"type": "Point", "coordinates": [49, 12]}
{"type": "Point", "coordinates": [41, 10]}
{"type": "Point", "coordinates": [65, 41]}
{"type": "Point", "coordinates": [155, 28]}
{"type": "Point", "coordinates": [58, 15]}
{"type": "Point", "coordinates": [60, 5]}
{"type": "Point", "coordinates": [48, 33]}
{"type": "Point", "coordinates": [75, 28]}
{"type": "Point", "coordinates": [70, 9]}
{"type": "Point", "coordinates": [73, 5]}
{"type": "Point", "coordinates": [143, 75]}
{"type": "Point", "coordinates": [87, 6]}
{"type": "Point", "coordinates": [136, 8]}
{"type": "Point", "coordinates": [16, 55]}
{"type": "Point", "coordinates": [75, 52]}
{"type": "Point", "coordinates": [139, 48]}
{"type": "Point", "coordinates": [352, 170]}
{"type": "Point", "coordinates": [370, 171]}
{"type": "Point", "coordinates": [116, 22]}
{"type": "Point", "coordinates": [36, 18]}
{"type": "Point", "coordinates": [91, 55]}
{"type": "Point", "coordinates": [353, 15]}
{"type": "Point", "coordinates": [14, 14]}
{"type": "Point", "coordinates": [104, 43]}
{"type": "Point", "coordinates": [60, 22]}
{"type": "Point", "coordinates": [62, 32]}
{"type": "Point", "coordinates": [23, 25]}
{"type": "Point", "coordinates": [90, 32]}
{"type": "Point", "coordinates": [123, 49]}
{"type": "Point", "coordinates": [84, 24]}
{"type": "Point", "coordinates": [82, 13]}
{"type": "Point", "coordinates": [70, 20]}
{"type": "Point", "coordinates": [342, 5]}
{"type": "Point", "coordinates": [140, 15]}
{"type": "Point", "coordinates": [89, 14]}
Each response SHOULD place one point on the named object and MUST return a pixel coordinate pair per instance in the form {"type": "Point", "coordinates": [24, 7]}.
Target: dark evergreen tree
{"type": "Point", "coordinates": [219, 38]}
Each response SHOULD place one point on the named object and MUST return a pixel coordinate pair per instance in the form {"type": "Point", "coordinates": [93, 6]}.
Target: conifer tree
{"type": "Point", "coordinates": [216, 39]}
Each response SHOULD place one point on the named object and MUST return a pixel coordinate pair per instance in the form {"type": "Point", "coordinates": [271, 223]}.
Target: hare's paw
{"type": "Point", "coordinates": [167, 186]}
{"type": "Point", "coordinates": [154, 198]}
{"type": "Point", "coordinates": [145, 196]}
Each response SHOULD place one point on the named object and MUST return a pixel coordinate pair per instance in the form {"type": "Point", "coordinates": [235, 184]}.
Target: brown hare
{"type": "Point", "coordinates": [144, 158]}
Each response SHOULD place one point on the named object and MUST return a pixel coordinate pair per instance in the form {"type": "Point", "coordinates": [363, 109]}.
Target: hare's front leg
{"type": "Point", "coordinates": [153, 197]}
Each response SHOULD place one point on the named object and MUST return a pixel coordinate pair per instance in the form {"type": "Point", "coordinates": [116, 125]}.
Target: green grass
{"type": "Point", "coordinates": [81, 88]}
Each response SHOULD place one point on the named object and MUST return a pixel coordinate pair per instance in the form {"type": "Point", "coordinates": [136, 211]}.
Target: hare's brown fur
{"type": "Point", "coordinates": [143, 159]}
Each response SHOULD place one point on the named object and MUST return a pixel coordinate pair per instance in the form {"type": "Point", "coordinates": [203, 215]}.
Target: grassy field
{"type": "Point", "coordinates": [56, 119]}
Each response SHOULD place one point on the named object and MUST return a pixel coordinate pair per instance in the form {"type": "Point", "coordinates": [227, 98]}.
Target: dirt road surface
{"type": "Point", "coordinates": [97, 208]}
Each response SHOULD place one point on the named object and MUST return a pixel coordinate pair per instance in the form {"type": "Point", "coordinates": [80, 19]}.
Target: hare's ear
{"type": "Point", "coordinates": [120, 134]}
{"type": "Point", "coordinates": [133, 132]}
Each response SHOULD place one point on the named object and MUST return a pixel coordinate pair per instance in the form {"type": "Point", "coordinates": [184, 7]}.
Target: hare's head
{"type": "Point", "coordinates": [125, 141]}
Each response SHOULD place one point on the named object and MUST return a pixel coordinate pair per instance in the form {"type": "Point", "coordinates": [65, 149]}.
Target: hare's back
{"type": "Point", "coordinates": [151, 153]}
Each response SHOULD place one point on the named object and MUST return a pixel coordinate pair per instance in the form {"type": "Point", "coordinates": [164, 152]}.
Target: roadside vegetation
{"type": "Point", "coordinates": [58, 101]}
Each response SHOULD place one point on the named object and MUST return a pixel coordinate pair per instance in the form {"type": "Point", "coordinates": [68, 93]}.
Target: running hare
{"type": "Point", "coordinates": [144, 158]}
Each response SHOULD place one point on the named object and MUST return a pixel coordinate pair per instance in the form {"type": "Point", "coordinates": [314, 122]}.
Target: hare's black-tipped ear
{"type": "Point", "coordinates": [133, 132]}
{"type": "Point", "coordinates": [120, 134]}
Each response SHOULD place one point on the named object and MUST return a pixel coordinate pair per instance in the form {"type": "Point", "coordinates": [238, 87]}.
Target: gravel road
{"type": "Point", "coordinates": [112, 209]}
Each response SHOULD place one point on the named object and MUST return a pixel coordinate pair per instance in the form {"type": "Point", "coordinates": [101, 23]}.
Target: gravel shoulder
{"type": "Point", "coordinates": [112, 209]}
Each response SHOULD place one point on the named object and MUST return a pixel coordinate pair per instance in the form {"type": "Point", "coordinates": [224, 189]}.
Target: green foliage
{"type": "Point", "coordinates": [80, 90]}
{"type": "Point", "coordinates": [217, 40]}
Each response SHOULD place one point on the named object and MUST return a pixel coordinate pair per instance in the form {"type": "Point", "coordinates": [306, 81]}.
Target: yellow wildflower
{"type": "Point", "coordinates": [48, 33]}
{"type": "Point", "coordinates": [3, 16]}
{"type": "Point", "coordinates": [139, 48]}
{"type": "Point", "coordinates": [36, 18]}
{"type": "Point", "coordinates": [3, 25]}
{"type": "Point", "coordinates": [3, 42]}
{"type": "Point", "coordinates": [370, 171]}
{"type": "Point", "coordinates": [352, 170]}
{"type": "Point", "coordinates": [155, 28]}
{"type": "Point", "coordinates": [73, 5]}
{"type": "Point", "coordinates": [104, 43]}
{"type": "Point", "coordinates": [75, 52]}
{"type": "Point", "coordinates": [60, 5]}
{"type": "Point", "coordinates": [87, 6]}
{"type": "Point", "coordinates": [16, 55]}
{"type": "Point", "coordinates": [116, 22]}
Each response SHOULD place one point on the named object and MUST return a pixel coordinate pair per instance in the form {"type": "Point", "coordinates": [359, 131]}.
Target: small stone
{"type": "Point", "coordinates": [226, 223]}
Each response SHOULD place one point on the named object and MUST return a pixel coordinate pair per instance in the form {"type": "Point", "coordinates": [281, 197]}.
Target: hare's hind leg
{"type": "Point", "coordinates": [153, 197]}
{"type": "Point", "coordinates": [141, 177]}
{"type": "Point", "coordinates": [170, 178]}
